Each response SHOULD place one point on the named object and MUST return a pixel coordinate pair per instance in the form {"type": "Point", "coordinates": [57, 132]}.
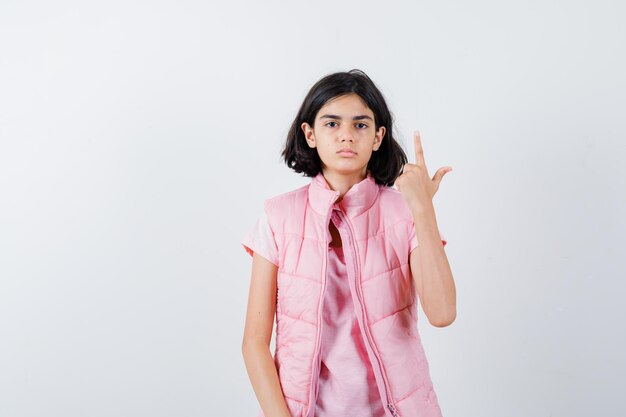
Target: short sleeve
{"type": "Point", "coordinates": [413, 238]}
{"type": "Point", "coordinates": [260, 239]}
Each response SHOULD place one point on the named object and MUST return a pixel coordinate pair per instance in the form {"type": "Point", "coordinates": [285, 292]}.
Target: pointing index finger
{"type": "Point", "coordinates": [419, 152]}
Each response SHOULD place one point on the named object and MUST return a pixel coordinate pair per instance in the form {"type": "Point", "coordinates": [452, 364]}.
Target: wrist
{"type": "Point", "coordinates": [422, 212]}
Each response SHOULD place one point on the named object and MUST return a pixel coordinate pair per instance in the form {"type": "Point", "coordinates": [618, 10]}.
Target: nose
{"type": "Point", "coordinates": [346, 134]}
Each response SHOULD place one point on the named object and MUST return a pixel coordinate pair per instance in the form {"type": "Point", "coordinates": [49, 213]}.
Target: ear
{"type": "Point", "coordinates": [309, 134]}
{"type": "Point", "coordinates": [378, 138]}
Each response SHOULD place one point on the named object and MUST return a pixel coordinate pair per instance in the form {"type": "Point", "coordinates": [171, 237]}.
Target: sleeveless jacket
{"type": "Point", "coordinates": [375, 227]}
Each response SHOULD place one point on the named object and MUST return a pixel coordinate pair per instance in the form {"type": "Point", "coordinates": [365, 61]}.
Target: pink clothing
{"type": "Point", "coordinates": [260, 239]}
{"type": "Point", "coordinates": [378, 235]}
{"type": "Point", "coordinates": [347, 386]}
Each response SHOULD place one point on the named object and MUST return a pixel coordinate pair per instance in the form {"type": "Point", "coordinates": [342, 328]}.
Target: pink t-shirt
{"type": "Point", "coordinates": [347, 386]}
{"type": "Point", "coordinates": [346, 383]}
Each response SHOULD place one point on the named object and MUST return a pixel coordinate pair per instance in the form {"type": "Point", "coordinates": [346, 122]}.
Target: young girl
{"type": "Point", "coordinates": [334, 262]}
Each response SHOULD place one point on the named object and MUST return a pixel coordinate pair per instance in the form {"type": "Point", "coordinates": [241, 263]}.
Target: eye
{"type": "Point", "coordinates": [362, 124]}
{"type": "Point", "coordinates": [330, 123]}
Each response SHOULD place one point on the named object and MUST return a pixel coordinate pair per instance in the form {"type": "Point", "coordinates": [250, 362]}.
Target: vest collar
{"type": "Point", "coordinates": [358, 199]}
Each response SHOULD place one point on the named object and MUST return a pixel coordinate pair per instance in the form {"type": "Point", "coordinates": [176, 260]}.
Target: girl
{"type": "Point", "coordinates": [334, 262]}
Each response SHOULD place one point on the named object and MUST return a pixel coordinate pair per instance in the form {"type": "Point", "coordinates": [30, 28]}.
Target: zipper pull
{"type": "Point", "coordinates": [393, 410]}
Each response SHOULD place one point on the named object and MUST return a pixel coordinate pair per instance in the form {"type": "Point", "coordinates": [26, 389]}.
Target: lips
{"type": "Point", "coordinates": [346, 151]}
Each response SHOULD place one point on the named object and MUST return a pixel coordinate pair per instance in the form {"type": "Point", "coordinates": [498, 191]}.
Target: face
{"type": "Point", "coordinates": [344, 123]}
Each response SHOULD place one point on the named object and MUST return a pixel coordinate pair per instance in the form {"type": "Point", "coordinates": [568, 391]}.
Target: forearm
{"type": "Point", "coordinates": [264, 378]}
{"type": "Point", "coordinates": [438, 290]}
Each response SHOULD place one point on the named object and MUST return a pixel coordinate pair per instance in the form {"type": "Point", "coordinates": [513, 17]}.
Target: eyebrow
{"type": "Point", "coordinates": [333, 116]}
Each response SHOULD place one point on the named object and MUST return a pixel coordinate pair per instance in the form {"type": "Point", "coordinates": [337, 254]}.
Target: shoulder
{"type": "Point", "coordinates": [291, 202]}
{"type": "Point", "coordinates": [392, 204]}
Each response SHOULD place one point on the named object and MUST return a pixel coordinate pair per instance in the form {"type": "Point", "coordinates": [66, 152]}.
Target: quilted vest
{"type": "Point", "coordinates": [375, 225]}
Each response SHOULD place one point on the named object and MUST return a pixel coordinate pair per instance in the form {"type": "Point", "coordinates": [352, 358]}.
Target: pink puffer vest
{"type": "Point", "coordinates": [375, 227]}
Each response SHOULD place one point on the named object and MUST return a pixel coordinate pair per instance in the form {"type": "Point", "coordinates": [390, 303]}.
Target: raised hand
{"type": "Point", "coordinates": [415, 183]}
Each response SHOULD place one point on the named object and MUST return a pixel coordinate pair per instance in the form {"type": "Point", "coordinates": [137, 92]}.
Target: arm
{"type": "Point", "coordinates": [257, 335]}
{"type": "Point", "coordinates": [429, 264]}
{"type": "Point", "coordinates": [431, 271]}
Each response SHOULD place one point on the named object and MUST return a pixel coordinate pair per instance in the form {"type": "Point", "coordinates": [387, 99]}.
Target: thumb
{"type": "Point", "coordinates": [440, 173]}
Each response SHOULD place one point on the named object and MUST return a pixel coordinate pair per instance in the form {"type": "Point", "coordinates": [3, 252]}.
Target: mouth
{"type": "Point", "coordinates": [346, 152]}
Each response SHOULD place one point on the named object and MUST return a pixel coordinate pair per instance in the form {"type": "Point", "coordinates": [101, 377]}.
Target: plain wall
{"type": "Point", "coordinates": [138, 141]}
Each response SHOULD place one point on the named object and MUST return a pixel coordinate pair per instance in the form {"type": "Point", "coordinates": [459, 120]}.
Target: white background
{"type": "Point", "coordinates": [138, 141]}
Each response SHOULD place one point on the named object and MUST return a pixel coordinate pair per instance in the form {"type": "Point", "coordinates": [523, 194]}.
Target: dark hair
{"type": "Point", "coordinates": [385, 164]}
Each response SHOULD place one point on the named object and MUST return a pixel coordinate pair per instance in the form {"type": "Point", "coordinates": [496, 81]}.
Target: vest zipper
{"type": "Point", "coordinates": [317, 359]}
{"type": "Point", "coordinates": [390, 404]}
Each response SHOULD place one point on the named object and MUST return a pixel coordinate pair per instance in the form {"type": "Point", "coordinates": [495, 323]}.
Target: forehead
{"type": "Point", "coordinates": [346, 105]}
